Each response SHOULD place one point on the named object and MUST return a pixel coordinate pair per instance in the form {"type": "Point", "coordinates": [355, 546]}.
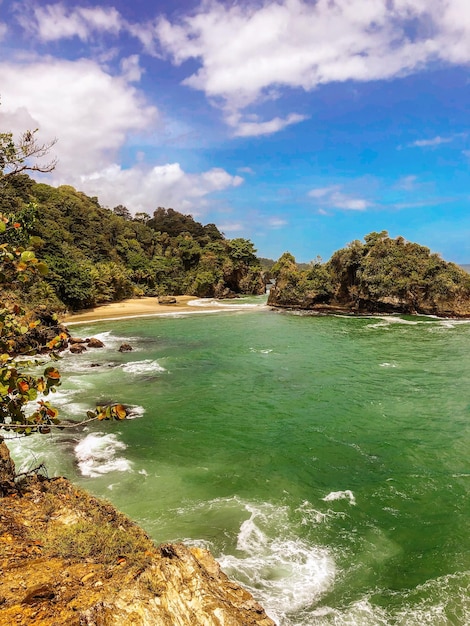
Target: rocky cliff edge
{"type": "Point", "coordinates": [69, 558]}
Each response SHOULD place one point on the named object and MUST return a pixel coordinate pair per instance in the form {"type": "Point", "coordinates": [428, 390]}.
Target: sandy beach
{"type": "Point", "coordinates": [135, 307]}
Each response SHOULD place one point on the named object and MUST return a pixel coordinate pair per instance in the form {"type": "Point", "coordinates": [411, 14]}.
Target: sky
{"type": "Point", "coordinates": [299, 124]}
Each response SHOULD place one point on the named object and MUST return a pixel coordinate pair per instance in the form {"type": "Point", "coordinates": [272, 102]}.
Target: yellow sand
{"type": "Point", "coordinates": [134, 307]}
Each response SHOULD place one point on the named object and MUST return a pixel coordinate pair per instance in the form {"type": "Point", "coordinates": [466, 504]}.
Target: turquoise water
{"type": "Point", "coordinates": [323, 460]}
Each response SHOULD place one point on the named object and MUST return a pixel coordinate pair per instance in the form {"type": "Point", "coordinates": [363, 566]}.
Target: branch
{"type": "Point", "coordinates": [16, 157]}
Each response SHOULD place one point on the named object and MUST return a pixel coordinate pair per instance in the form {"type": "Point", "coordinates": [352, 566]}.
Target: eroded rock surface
{"type": "Point", "coordinates": [69, 558]}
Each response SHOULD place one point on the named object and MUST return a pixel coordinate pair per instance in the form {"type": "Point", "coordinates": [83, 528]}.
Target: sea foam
{"type": "Point", "coordinates": [97, 454]}
{"type": "Point", "coordinates": [148, 366]}
{"type": "Point", "coordinates": [340, 495]}
{"type": "Point", "coordinates": [285, 572]}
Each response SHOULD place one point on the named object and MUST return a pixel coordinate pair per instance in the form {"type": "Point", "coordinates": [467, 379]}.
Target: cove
{"type": "Point", "coordinates": [323, 460]}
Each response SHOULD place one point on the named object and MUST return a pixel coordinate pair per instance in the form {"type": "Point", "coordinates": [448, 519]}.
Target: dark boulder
{"type": "Point", "coordinates": [95, 343]}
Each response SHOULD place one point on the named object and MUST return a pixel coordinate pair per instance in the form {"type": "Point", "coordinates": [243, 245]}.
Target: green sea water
{"type": "Point", "coordinates": [323, 460]}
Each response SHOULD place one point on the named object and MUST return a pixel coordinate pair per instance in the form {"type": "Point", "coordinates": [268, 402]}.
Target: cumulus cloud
{"type": "Point", "coordinates": [144, 188]}
{"type": "Point", "coordinates": [93, 114]}
{"type": "Point", "coordinates": [90, 111]}
{"type": "Point", "coordinates": [131, 69]}
{"type": "Point", "coordinates": [247, 52]}
{"type": "Point", "coordinates": [332, 197]}
{"type": "Point", "coordinates": [56, 21]}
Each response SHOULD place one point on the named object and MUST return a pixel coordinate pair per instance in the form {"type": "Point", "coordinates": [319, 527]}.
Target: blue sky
{"type": "Point", "coordinates": [301, 125]}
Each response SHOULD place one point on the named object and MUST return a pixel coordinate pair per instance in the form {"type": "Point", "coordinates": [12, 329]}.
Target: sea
{"type": "Point", "coordinates": [324, 460]}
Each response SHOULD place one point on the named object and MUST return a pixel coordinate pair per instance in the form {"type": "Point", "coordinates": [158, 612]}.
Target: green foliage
{"type": "Point", "coordinates": [96, 255]}
{"type": "Point", "coordinates": [380, 274]}
{"type": "Point", "coordinates": [95, 541]}
{"type": "Point", "coordinates": [17, 387]}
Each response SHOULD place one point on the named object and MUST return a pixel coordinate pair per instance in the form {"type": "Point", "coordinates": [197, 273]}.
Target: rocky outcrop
{"type": "Point", "coordinates": [69, 558]}
{"type": "Point", "coordinates": [383, 275]}
{"type": "Point", "coordinates": [93, 342]}
{"type": "Point", "coordinates": [167, 300]}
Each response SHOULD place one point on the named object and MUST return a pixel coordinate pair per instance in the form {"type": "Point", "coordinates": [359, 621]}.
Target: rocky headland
{"type": "Point", "coordinates": [69, 558]}
{"type": "Point", "coordinates": [382, 275]}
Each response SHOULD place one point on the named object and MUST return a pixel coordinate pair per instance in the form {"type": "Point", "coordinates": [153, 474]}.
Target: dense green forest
{"type": "Point", "coordinates": [97, 255]}
{"type": "Point", "coordinates": [380, 275]}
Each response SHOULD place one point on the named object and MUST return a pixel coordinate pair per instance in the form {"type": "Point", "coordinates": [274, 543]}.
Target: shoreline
{"type": "Point", "coordinates": [132, 307]}
{"type": "Point", "coordinates": [143, 307]}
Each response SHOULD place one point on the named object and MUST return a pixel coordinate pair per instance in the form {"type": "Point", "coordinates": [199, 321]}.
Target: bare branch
{"type": "Point", "coordinates": [24, 155]}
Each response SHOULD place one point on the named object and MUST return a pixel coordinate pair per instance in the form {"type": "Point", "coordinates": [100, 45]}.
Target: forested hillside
{"type": "Point", "coordinates": [98, 255]}
{"type": "Point", "coordinates": [380, 275]}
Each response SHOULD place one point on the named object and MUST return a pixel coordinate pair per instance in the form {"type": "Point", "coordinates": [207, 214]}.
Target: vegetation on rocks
{"type": "Point", "coordinates": [380, 275]}
{"type": "Point", "coordinates": [97, 255]}
{"type": "Point", "coordinates": [69, 558]}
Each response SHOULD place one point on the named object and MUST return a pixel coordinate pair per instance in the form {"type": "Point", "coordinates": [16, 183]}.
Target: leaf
{"type": "Point", "coordinates": [42, 269]}
{"type": "Point", "coordinates": [120, 412]}
{"type": "Point", "coordinates": [27, 255]}
{"type": "Point", "coordinates": [23, 386]}
{"type": "Point", "coordinates": [3, 227]}
{"type": "Point", "coordinates": [52, 373]}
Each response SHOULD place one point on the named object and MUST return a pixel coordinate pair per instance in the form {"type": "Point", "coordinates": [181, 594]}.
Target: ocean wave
{"type": "Point", "coordinates": [347, 494]}
{"type": "Point", "coordinates": [233, 304]}
{"type": "Point", "coordinates": [147, 366]}
{"type": "Point", "coordinates": [284, 572]}
{"type": "Point", "coordinates": [134, 411]}
{"type": "Point", "coordinates": [97, 454]}
{"type": "Point", "coordinates": [438, 602]}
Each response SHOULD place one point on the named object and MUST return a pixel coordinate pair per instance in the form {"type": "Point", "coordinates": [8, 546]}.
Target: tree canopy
{"type": "Point", "coordinates": [97, 255]}
{"type": "Point", "coordinates": [379, 274]}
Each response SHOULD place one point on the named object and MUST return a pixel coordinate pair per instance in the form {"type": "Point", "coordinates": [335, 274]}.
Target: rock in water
{"type": "Point", "coordinates": [95, 343]}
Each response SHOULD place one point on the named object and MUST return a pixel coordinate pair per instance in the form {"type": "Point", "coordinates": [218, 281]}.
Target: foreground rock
{"type": "Point", "coordinates": [68, 558]}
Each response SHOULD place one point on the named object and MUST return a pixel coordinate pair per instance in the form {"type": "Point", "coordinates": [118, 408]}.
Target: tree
{"type": "Point", "coordinates": [122, 211]}
{"type": "Point", "coordinates": [25, 154]}
{"type": "Point", "coordinates": [19, 329]}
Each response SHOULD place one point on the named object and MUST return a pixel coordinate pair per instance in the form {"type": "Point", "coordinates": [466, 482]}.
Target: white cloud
{"type": "Point", "coordinates": [321, 192]}
{"type": "Point", "coordinates": [332, 197]}
{"type": "Point", "coordinates": [3, 30]}
{"type": "Point", "coordinates": [142, 188]}
{"type": "Point", "coordinates": [93, 114]}
{"type": "Point", "coordinates": [131, 69]}
{"type": "Point", "coordinates": [231, 227]}
{"type": "Point", "coordinates": [248, 52]}
{"type": "Point", "coordinates": [276, 222]}
{"type": "Point", "coordinates": [56, 21]}
{"type": "Point", "coordinates": [435, 141]}
{"type": "Point", "coordinates": [255, 129]}
{"type": "Point", "coordinates": [342, 201]}
{"type": "Point", "coordinates": [88, 110]}
{"type": "Point", "coordinates": [407, 183]}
